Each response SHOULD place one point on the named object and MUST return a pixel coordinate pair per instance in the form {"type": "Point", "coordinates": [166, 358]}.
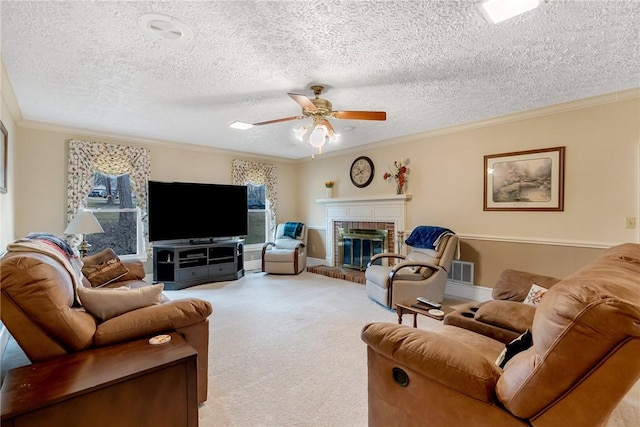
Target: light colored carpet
{"type": "Point", "coordinates": [286, 351]}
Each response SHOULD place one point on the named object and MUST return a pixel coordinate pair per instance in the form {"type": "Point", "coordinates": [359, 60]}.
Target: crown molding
{"type": "Point", "coordinates": [10, 98]}
{"type": "Point", "coordinates": [594, 101]}
{"type": "Point", "coordinates": [9, 95]}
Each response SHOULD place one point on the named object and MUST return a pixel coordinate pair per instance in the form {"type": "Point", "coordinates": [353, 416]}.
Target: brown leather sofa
{"type": "Point", "coordinates": [584, 358]}
{"type": "Point", "coordinates": [506, 316]}
{"type": "Point", "coordinates": [39, 308]}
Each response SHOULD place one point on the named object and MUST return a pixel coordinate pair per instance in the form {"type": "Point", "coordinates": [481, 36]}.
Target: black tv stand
{"type": "Point", "coordinates": [200, 242]}
{"type": "Point", "coordinates": [180, 265]}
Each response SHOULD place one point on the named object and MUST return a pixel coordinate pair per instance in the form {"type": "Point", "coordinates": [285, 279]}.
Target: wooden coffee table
{"type": "Point", "coordinates": [405, 307]}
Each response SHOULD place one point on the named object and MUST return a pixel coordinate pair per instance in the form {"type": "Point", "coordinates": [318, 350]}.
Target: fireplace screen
{"type": "Point", "coordinates": [356, 247]}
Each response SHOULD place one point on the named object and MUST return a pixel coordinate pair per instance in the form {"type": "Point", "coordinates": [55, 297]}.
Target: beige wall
{"type": "Point", "coordinates": [446, 181]}
{"type": "Point", "coordinates": [41, 180]}
{"type": "Point", "coordinates": [446, 169]}
{"type": "Point", "coordinates": [7, 200]}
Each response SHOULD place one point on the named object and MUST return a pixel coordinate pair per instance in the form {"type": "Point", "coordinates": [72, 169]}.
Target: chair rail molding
{"type": "Point", "coordinates": [390, 208]}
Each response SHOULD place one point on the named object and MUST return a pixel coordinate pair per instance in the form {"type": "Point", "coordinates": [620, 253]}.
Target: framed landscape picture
{"type": "Point", "coordinates": [4, 146]}
{"type": "Point", "coordinates": [525, 180]}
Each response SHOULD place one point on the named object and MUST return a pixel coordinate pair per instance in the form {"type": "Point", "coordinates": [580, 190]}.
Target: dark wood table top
{"type": "Point", "coordinates": [32, 386]}
{"type": "Point", "coordinates": [407, 307]}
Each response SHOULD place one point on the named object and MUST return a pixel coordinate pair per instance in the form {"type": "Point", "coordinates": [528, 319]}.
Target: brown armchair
{"type": "Point", "coordinates": [39, 308]}
{"type": "Point", "coordinates": [582, 361]}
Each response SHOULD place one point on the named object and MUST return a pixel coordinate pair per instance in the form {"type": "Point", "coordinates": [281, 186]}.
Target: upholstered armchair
{"type": "Point", "coordinates": [581, 360]}
{"type": "Point", "coordinates": [287, 253]}
{"type": "Point", "coordinates": [422, 272]}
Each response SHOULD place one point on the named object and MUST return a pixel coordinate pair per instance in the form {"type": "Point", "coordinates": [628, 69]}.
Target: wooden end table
{"type": "Point", "coordinates": [405, 307]}
{"type": "Point", "coordinates": [124, 385]}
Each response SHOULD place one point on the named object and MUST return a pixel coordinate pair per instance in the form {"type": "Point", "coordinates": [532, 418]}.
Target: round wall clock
{"type": "Point", "coordinates": [362, 171]}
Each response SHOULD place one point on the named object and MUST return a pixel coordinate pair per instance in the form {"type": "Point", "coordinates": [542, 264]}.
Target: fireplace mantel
{"type": "Point", "coordinates": [365, 199]}
{"type": "Point", "coordinates": [389, 208]}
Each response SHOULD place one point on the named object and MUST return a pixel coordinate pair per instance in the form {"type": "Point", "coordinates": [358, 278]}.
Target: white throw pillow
{"type": "Point", "coordinates": [535, 295]}
{"type": "Point", "coordinates": [106, 303]}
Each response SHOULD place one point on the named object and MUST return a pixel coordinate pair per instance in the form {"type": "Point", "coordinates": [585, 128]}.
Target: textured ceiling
{"type": "Point", "coordinates": [428, 64]}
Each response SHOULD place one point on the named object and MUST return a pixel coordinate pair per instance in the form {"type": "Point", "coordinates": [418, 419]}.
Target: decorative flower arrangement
{"type": "Point", "coordinates": [329, 184]}
{"type": "Point", "coordinates": [398, 172]}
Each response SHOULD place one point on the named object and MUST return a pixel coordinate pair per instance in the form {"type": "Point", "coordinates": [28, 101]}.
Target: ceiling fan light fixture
{"type": "Point", "coordinates": [300, 132]}
{"type": "Point", "coordinates": [320, 131]}
{"type": "Point", "coordinates": [496, 11]}
{"type": "Point", "coordinates": [240, 125]}
{"type": "Point", "coordinates": [318, 136]}
{"type": "Point", "coordinates": [333, 137]}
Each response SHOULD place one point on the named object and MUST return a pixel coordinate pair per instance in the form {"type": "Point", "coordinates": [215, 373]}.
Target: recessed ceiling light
{"type": "Point", "coordinates": [496, 11]}
{"type": "Point", "coordinates": [240, 125]}
{"type": "Point", "coordinates": [166, 29]}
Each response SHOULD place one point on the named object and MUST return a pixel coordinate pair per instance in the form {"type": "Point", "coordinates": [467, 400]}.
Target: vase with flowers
{"type": "Point", "coordinates": [398, 172]}
{"type": "Point", "coordinates": [328, 186]}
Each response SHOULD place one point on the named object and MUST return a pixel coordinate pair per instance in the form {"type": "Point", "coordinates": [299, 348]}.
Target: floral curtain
{"type": "Point", "coordinates": [87, 157]}
{"type": "Point", "coordinates": [245, 172]}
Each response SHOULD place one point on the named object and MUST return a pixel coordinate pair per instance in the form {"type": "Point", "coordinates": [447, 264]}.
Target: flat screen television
{"type": "Point", "coordinates": [196, 211]}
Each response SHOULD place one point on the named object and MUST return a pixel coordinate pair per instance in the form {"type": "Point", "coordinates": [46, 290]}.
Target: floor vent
{"type": "Point", "coordinates": [461, 272]}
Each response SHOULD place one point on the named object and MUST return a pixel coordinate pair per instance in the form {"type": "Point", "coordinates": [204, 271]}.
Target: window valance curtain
{"type": "Point", "coordinates": [247, 172]}
{"type": "Point", "coordinates": [88, 157]}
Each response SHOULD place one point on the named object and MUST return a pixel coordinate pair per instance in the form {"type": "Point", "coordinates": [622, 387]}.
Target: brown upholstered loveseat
{"type": "Point", "coordinates": [39, 308]}
{"type": "Point", "coordinates": [584, 358]}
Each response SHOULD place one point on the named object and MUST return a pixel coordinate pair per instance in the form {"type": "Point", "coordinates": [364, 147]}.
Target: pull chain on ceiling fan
{"type": "Point", "coordinates": [319, 109]}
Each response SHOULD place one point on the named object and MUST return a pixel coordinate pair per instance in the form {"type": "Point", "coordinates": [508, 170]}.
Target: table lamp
{"type": "Point", "coordinates": [84, 222]}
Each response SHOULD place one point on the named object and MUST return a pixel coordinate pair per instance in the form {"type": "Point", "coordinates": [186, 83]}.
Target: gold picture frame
{"type": "Point", "coordinates": [3, 158]}
{"type": "Point", "coordinates": [530, 180]}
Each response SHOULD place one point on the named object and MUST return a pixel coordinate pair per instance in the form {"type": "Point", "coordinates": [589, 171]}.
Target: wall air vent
{"type": "Point", "coordinates": [461, 272]}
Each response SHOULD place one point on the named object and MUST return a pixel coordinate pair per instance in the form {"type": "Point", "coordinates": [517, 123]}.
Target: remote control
{"type": "Point", "coordinates": [429, 302]}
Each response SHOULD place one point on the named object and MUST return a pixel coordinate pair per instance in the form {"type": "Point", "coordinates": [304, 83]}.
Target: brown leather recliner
{"type": "Point", "coordinates": [585, 357]}
{"type": "Point", "coordinates": [38, 309]}
{"type": "Point", "coordinates": [506, 316]}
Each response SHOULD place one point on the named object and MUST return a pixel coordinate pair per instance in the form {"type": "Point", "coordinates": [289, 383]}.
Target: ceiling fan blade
{"type": "Point", "coordinates": [285, 119]}
{"type": "Point", "coordinates": [328, 125]}
{"type": "Point", "coordinates": [360, 115]}
{"type": "Point", "coordinates": [304, 102]}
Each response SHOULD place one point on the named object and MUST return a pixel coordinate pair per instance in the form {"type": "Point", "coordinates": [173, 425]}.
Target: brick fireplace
{"type": "Point", "coordinates": [364, 213]}
{"type": "Point", "coordinates": [365, 233]}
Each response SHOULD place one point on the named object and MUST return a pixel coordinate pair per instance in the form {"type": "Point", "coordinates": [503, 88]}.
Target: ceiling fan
{"type": "Point", "coordinates": [319, 110]}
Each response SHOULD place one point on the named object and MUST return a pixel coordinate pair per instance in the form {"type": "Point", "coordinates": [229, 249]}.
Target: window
{"type": "Point", "coordinates": [114, 205]}
{"type": "Point", "coordinates": [111, 180]}
{"type": "Point", "coordinates": [255, 174]}
{"type": "Point", "coordinates": [257, 215]}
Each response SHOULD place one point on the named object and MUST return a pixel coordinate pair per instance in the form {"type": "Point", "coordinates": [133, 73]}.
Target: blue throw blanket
{"type": "Point", "coordinates": [293, 229]}
{"type": "Point", "coordinates": [427, 237]}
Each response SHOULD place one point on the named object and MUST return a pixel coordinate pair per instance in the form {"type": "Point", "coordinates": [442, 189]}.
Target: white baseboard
{"type": "Point", "coordinates": [255, 264]}
{"type": "Point", "coordinates": [312, 262]}
{"type": "Point", "coordinates": [460, 290]}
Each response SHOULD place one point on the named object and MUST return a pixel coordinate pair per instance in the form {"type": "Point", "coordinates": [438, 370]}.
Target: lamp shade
{"type": "Point", "coordinates": [84, 222]}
